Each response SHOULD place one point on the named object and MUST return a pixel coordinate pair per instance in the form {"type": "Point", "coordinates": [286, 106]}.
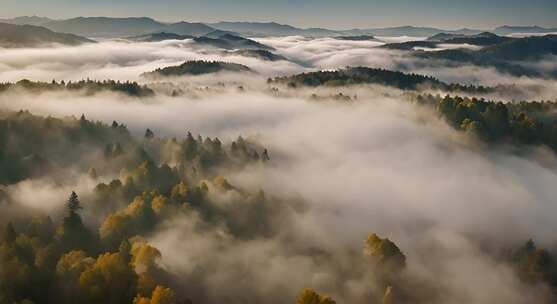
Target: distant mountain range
{"type": "Point", "coordinates": [116, 27]}
{"type": "Point", "coordinates": [135, 26]}
{"type": "Point", "coordinates": [17, 36]}
{"type": "Point", "coordinates": [507, 30]}
{"type": "Point", "coordinates": [258, 29]}
{"type": "Point", "coordinates": [29, 20]}
{"type": "Point", "coordinates": [411, 31]}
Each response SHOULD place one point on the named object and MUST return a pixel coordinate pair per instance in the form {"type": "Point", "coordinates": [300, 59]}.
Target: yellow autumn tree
{"type": "Point", "coordinates": [161, 295]}
{"type": "Point", "coordinates": [309, 296]}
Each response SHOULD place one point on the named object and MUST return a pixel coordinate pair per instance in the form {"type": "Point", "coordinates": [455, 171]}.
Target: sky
{"type": "Point", "coordinates": [482, 14]}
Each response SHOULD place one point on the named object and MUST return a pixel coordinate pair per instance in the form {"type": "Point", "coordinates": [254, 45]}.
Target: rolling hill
{"type": "Point", "coordinates": [157, 37]}
{"type": "Point", "coordinates": [258, 29]}
{"type": "Point", "coordinates": [27, 20]}
{"type": "Point", "coordinates": [508, 56]}
{"type": "Point", "coordinates": [507, 30]}
{"type": "Point", "coordinates": [410, 45]}
{"type": "Point", "coordinates": [193, 68]}
{"type": "Point", "coordinates": [16, 36]}
{"type": "Point", "coordinates": [411, 31]}
{"type": "Point", "coordinates": [358, 38]}
{"type": "Point", "coordinates": [528, 48]}
{"type": "Point", "coordinates": [365, 75]}
{"type": "Point", "coordinates": [482, 39]}
{"type": "Point", "coordinates": [260, 54]}
{"type": "Point", "coordinates": [231, 42]}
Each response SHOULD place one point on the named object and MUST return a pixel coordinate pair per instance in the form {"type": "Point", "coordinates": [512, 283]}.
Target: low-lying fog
{"type": "Point", "coordinates": [120, 60]}
{"type": "Point", "coordinates": [379, 164]}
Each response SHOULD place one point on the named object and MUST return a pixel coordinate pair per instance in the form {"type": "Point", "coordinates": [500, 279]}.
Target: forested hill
{"type": "Point", "coordinates": [88, 87]}
{"type": "Point", "coordinates": [482, 39]}
{"type": "Point", "coordinates": [508, 50]}
{"type": "Point", "coordinates": [198, 67]}
{"type": "Point", "coordinates": [365, 75]}
{"type": "Point", "coordinates": [33, 145]}
{"type": "Point", "coordinates": [69, 260]}
{"type": "Point", "coordinates": [507, 56]}
{"type": "Point", "coordinates": [519, 124]}
{"type": "Point", "coordinates": [230, 42]}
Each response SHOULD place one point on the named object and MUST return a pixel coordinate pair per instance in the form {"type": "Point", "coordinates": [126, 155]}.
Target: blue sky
{"type": "Point", "coordinates": [326, 13]}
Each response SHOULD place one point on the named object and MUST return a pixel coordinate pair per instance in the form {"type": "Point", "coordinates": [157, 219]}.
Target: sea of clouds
{"type": "Point", "coordinates": [379, 164]}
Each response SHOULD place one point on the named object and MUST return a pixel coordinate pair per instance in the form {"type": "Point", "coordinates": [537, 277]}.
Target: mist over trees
{"type": "Point", "coordinates": [197, 68]}
{"type": "Point", "coordinates": [363, 75]}
{"type": "Point", "coordinates": [88, 87]}
{"type": "Point", "coordinates": [338, 168]}
{"type": "Point", "coordinates": [520, 123]}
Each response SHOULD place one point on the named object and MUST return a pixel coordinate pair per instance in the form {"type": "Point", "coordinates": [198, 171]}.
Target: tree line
{"type": "Point", "coordinates": [364, 75]}
{"type": "Point", "coordinates": [519, 123]}
{"type": "Point", "coordinates": [89, 87]}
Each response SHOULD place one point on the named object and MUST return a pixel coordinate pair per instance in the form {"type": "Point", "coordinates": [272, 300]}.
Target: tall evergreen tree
{"type": "Point", "coordinates": [73, 219]}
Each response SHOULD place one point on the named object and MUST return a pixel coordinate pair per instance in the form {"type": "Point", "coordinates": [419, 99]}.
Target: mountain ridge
{"type": "Point", "coordinates": [130, 26]}
{"type": "Point", "coordinates": [17, 36]}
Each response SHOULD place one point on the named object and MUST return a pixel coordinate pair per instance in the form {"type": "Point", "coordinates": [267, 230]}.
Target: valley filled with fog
{"type": "Point", "coordinates": [265, 169]}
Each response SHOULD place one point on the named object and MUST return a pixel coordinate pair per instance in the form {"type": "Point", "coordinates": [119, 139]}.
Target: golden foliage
{"type": "Point", "coordinates": [309, 296]}
{"type": "Point", "coordinates": [162, 295]}
{"type": "Point", "coordinates": [144, 257]}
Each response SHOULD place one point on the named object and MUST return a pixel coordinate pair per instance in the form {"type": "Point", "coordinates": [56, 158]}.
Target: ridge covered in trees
{"type": "Point", "coordinates": [364, 75]}
{"type": "Point", "coordinates": [48, 261]}
{"type": "Point", "coordinates": [197, 67]}
{"type": "Point", "coordinates": [31, 146]}
{"type": "Point", "coordinates": [520, 123]}
{"type": "Point", "coordinates": [507, 56]}
{"type": "Point", "coordinates": [89, 87]}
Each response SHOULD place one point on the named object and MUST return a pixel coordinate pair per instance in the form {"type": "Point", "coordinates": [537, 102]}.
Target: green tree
{"type": "Point", "coordinates": [72, 232]}
{"type": "Point", "coordinates": [74, 206]}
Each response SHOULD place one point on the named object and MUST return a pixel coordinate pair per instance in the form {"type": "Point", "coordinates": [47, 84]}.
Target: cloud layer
{"type": "Point", "coordinates": [377, 164]}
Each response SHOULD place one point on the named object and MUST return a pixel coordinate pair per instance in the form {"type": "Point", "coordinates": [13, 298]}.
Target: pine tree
{"type": "Point", "coordinates": [73, 203]}
{"type": "Point", "coordinates": [73, 219]}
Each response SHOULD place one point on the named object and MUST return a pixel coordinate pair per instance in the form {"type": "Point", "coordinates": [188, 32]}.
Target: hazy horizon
{"type": "Point", "coordinates": [307, 13]}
